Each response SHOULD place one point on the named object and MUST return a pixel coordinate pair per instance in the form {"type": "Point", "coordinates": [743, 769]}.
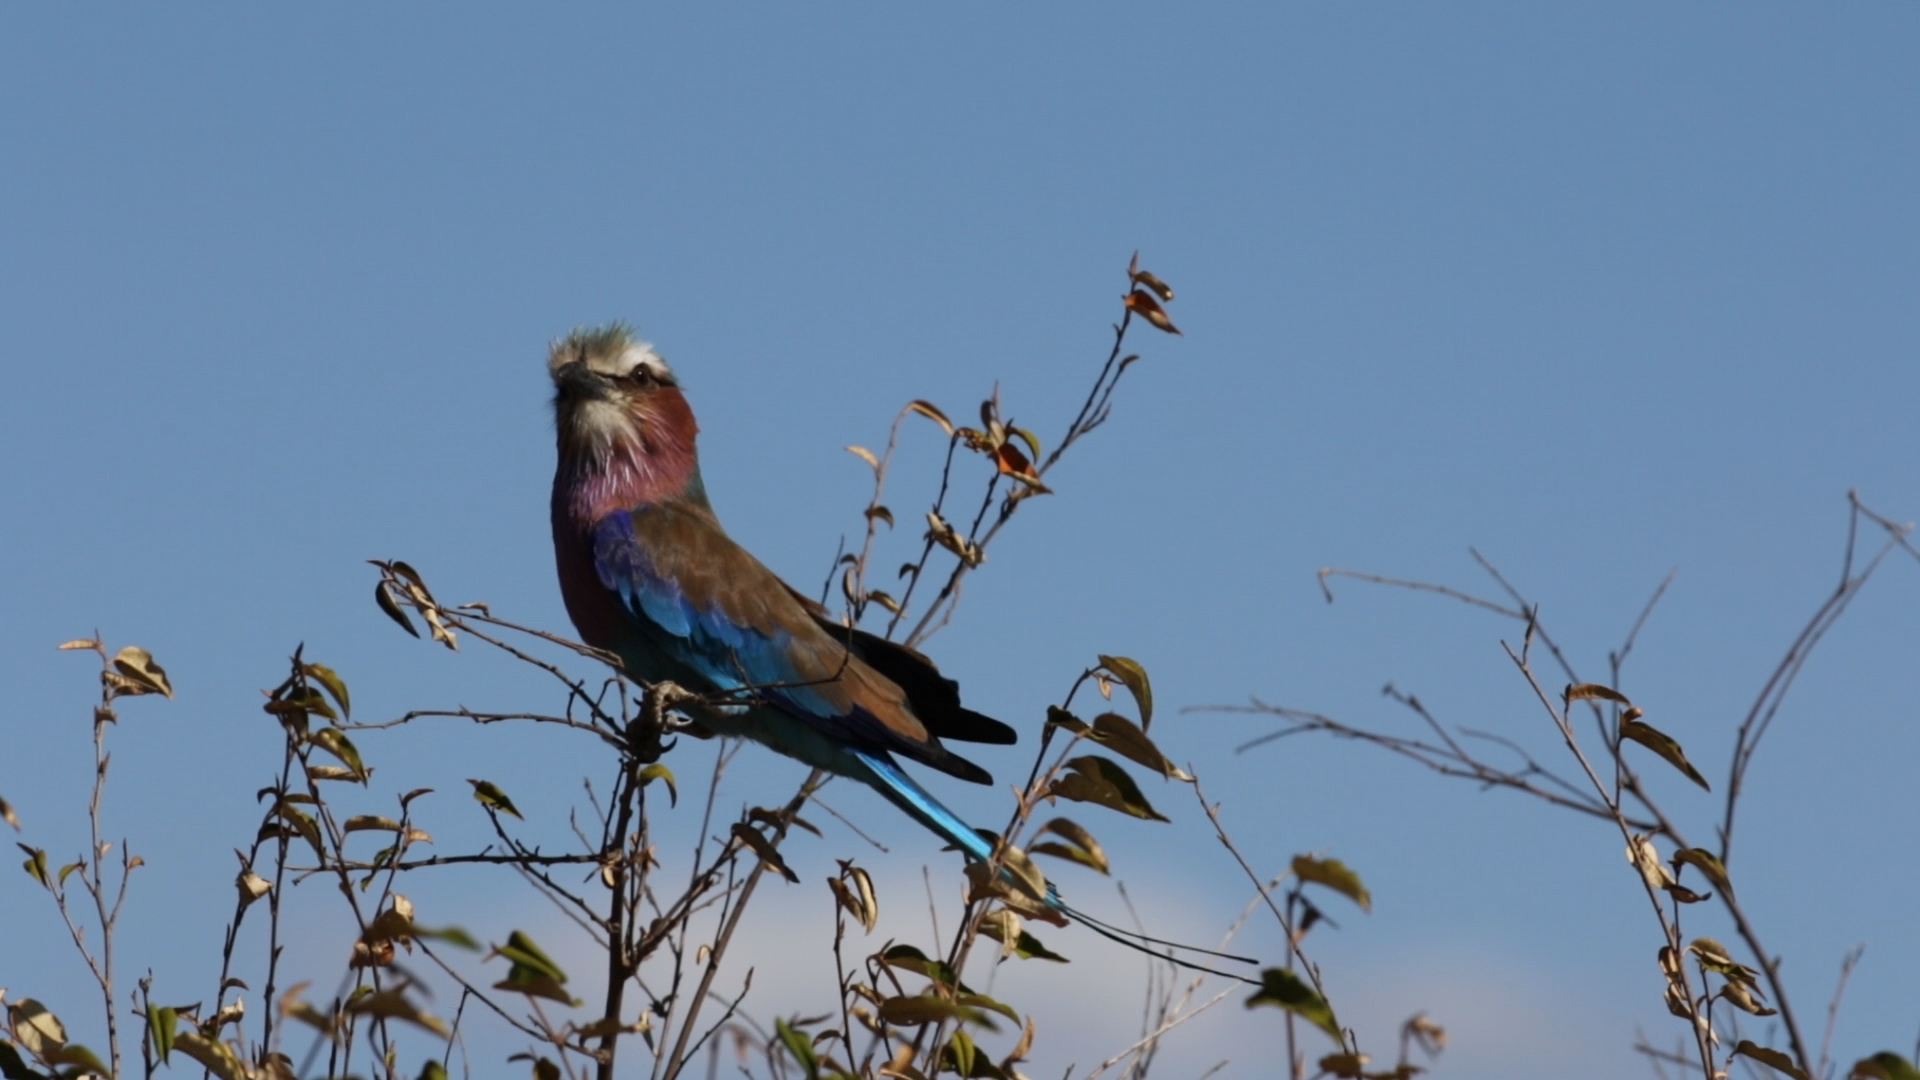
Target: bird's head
{"type": "Point", "coordinates": [626, 433]}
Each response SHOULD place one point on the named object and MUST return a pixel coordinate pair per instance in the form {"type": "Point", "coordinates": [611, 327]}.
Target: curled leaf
{"type": "Point", "coordinates": [854, 891]}
{"type": "Point", "coordinates": [1646, 859]}
{"type": "Point", "coordinates": [657, 771]}
{"type": "Point", "coordinates": [1709, 865]}
{"type": "Point", "coordinates": [1585, 691]}
{"type": "Point", "coordinates": [1663, 744]}
{"type": "Point", "coordinates": [931, 412]}
{"type": "Point", "coordinates": [1158, 287]}
{"type": "Point", "coordinates": [383, 596]}
{"type": "Point", "coordinates": [137, 664]}
{"type": "Point", "coordinates": [1134, 677]}
{"type": "Point", "coordinates": [943, 533]}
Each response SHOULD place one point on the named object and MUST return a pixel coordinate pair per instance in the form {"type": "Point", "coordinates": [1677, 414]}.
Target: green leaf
{"type": "Point", "coordinates": [799, 1044]}
{"type": "Point", "coordinates": [493, 798]}
{"type": "Point", "coordinates": [1709, 864]}
{"type": "Point", "coordinates": [1335, 875]}
{"type": "Point", "coordinates": [908, 958]}
{"type": "Point", "coordinates": [336, 686]}
{"type": "Point", "coordinates": [1885, 1065]}
{"type": "Point", "coordinates": [433, 1070]}
{"type": "Point", "coordinates": [293, 821]}
{"type": "Point", "coordinates": [452, 935]}
{"type": "Point", "coordinates": [959, 1050]}
{"type": "Point", "coordinates": [79, 1060]}
{"type": "Point", "coordinates": [657, 771]}
{"type": "Point", "coordinates": [383, 597]}
{"type": "Point", "coordinates": [1129, 672]}
{"type": "Point", "coordinates": [982, 1001]}
{"type": "Point", "coordinates": [1772, 1059]}
{"type": "Point", "coordinates": [162, 1022]}
{"type": "Point", "coordinates": [1119, 734]}
{"type": "Point", "coordinates": [522, 950]}
{"type": "Point", "coordinates": [1715, 957]}
{"type": "Point", "coordinates": [1660, 743]}
{"type": "Point", "coordinates": [533, 973]}
{"type": "Point", "coordinates": [217, 1056]}
{"type": "Point", "coordinates": [36, 865]}
{"type": "Point", "coordinates": [917, 1010]}
{"type": "Point", "coordinates": [1283, 989]}
{"type": "Point", "coordinates": [14, 1067]}
{"type": "Point", "coordinates": [335, 742]}
{"type": "Point", "coordinates": [1101, 781]}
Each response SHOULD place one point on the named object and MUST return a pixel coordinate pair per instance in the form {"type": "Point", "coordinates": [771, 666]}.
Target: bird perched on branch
{"type": "Point", "coordinates": [648, 574]}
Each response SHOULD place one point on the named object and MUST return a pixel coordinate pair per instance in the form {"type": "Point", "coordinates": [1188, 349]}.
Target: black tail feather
{"type": "Point", "coordinates": [1144, 943]}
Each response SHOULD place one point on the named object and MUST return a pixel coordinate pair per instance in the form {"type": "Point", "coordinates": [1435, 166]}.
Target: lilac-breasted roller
{"type": "Point", "coordinates": [648, 573]}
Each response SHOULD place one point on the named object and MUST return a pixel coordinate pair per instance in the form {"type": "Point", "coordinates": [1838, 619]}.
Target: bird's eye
{"type": "Point", "coordinates": [642, 375]}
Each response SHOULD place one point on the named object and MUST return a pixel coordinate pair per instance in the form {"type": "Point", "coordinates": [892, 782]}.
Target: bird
{"type": "Point", "coordinates": [648, 574]}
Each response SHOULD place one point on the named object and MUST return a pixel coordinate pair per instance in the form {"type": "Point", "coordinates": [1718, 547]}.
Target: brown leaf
{"type": "Point", "coordinates": [1097, 780]}
{"type": "Point", "coordinates": [942, 533]}
{"type": "Point", "coordinates": [1584, 691]}
{"type": "Point", "coordinates": [1144, 305]}
{"type": "Point", "coordinates": [1772, 1059]}
{"type": "Point", "coordinates": [928, 410]}
{"type": "Point", "coordinates": [136, 664]}
{"type": "Point", "coordinates": [1646, 859]}
{"type": "Point", "coordinates": [1160, 288]}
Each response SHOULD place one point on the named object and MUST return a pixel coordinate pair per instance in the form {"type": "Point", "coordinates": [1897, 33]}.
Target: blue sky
{"type": "Point", "coordinates": [1601, 294]}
